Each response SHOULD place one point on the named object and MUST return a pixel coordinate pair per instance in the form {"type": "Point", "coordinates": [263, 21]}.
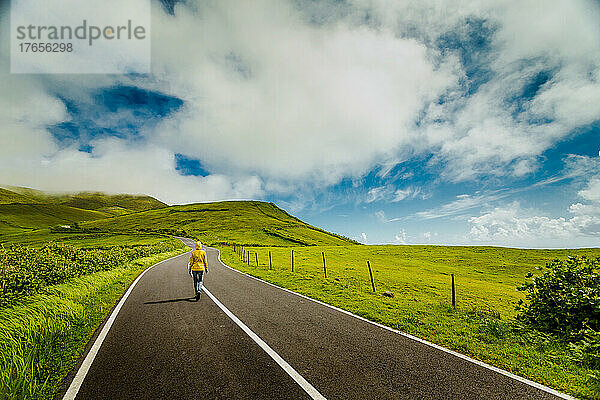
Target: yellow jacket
{"type": "Point", "coordinates": [198, 259]}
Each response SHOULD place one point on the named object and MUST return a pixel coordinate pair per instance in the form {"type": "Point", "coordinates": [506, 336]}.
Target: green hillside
{"type": "Point", "coordinates": [36, 216]}
{"type": "Point", "coordinates": [115, 204]}
{"type": "Point", "coordinates": [8, 196]}
{"type": "Point", "coordinates": [112, 204]}
{"type": "Point", "coordinates": [243, 222]}
{"type": "Point", "coordinates": [30, 212]}
{"type": "Point", "coordinates": [28, 193]}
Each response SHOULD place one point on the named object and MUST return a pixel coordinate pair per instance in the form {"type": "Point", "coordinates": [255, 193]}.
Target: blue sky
{"type": "Point", "coordinates": [389, 122]}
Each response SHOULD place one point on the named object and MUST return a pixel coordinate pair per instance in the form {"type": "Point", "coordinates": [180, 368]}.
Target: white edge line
{"type": "Point", "coordinates": [409, 336]}
{"type": "Point", "coordinates": [89, 359]}
{"type": "Point", "coordinates": [304, 384]}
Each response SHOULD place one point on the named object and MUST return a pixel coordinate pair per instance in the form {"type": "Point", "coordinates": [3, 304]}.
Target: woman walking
{"type": "Point", "coordinates": [198, 264]}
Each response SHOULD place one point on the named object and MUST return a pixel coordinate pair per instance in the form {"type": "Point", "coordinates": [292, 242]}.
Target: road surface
{"type": "Point", "coordinates": [165, 345]}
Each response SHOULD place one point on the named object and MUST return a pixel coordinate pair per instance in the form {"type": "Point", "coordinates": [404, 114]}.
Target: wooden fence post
{"type": "Point", "coordinates": [270, 263]}
{"type": "Point", "coordinates": [324, 266]}
{"type": "Point", "coordinates": [371, 274]}
{"type": "Point", "coordinates": [453, 293]}
{"type": "Point", "coordinates": [292, 260]}
{"type": "Point", "coordinates": [248, 258]}
{"type": "Point", "coordinates": [256, 256]}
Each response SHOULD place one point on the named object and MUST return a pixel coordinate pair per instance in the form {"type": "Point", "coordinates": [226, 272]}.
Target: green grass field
{"type": "Point", "coordinates": [420, 278]}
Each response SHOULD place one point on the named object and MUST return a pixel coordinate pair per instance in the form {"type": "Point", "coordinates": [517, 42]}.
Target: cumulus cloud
{"type": "Point", "coordinates": [363, 237]}
{"type": "Point", "coordinates": [275, 99]}
{"type": "Point", "coordinates": [513, 225]}
{"type": "Point", "coordinates": [115, 167]}
{"type": "Point", "coordinates": [592, 190]}
{"type": "Point", "coordinates": [401, 238]}
{"type": "Point", "coordinates": [534, 77]}
{"type": "Point", "coordinates": [312, 102]}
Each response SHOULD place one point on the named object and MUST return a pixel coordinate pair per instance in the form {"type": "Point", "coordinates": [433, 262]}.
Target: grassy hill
{"type": "Point", "coordinates": [8, 197]}
{"type": "Point", "coordinates": [242, 222]}
{"type": "Point", "coordinates": [26, 216]}
{"type": "Point", "coordinates": [115, 204]}
{"type": "Point", "coordinates": [34, 216]}
{"type": "Point", "coordinates": [26, 212]}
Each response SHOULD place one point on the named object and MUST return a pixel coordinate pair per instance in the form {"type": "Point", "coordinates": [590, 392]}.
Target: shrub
{"type": "Point", "coordinates": [564, 299]}
{"type": "Point", "coordinates": [24, 271]}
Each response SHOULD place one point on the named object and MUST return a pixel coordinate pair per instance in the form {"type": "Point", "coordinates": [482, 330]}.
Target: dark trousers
{"type": "Point", "coordinates": [197, 280]}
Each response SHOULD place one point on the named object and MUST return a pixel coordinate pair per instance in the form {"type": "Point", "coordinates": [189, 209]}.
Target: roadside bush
{"type": "Point", "coordinates": [565, 299]}
{"type": "Point", "coordinates": [587, 350]}
{"type": "Point", "coordinates": [25, 271]}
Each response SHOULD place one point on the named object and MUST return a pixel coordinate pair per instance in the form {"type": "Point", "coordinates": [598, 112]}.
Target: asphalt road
{"type": "Point", "coordinates": [165, 345]}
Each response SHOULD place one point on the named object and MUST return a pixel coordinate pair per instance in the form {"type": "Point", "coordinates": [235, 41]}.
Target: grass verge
{"type": "Point", "coordinates": [482, 325]}
{"type": "Point", "coordinates": [42, 337]}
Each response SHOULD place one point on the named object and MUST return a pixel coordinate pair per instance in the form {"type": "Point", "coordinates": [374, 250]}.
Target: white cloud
{"type": "Point", "coordinates": [514, 226]}
{"type": "Point", "coordinates": [485, 133]}
{"type": "Point", "coordinates": [273, 103]}
{"type": "Point", "coordinates": [376, 194]}
{"type": "Point", "coordinates": [401, 237]}
{"type": "Point", "coordinates": [383, 218]}
{"type": "Point", "coordinates": [592, 191]}
{"type": "Point", "coordinates": [462, 204]}
{"type": "Point", "coordinates": [115, 167]}
{"type": "Point", "coordinates": [313, 103]}
{"type": "Point", "coordinates": [585, 209]}
{"type": "Point", "coordinates": [363, 236]}
{"type": "Point", "coordinates": [388, 193]}
{"type": "Point", "coordinates": [408, 193]}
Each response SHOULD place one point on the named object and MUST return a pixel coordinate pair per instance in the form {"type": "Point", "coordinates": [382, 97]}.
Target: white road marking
{"type": "Point", "coordinates": [89, 359]}
{"type": "Point", "coordinates": [308, 388]}
{"type": "Point", "coordinates": [409, 336]}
